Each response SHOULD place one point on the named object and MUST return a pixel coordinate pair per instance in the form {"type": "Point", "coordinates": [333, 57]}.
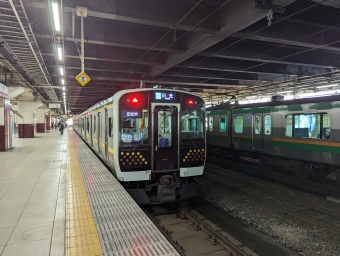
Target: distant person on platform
{"type": "Point", "coordinates": [61, 128]}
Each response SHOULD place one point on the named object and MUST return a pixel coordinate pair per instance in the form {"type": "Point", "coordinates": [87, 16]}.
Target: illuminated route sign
{"type": "Point", "coordinates": [131, 114]}
{"type": "Point", "coordinates": [165, 96]}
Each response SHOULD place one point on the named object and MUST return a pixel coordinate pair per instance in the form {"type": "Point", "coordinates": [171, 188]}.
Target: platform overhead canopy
{"type": "Point", "coordinates": [219, 48]}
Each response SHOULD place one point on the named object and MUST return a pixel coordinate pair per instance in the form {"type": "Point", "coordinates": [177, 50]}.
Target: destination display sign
{"type": "Point", "coordinates": [165, 96]}
{"type": "Point", "coordinates": [131, 113]}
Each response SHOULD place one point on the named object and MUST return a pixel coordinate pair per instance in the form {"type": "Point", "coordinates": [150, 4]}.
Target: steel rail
{"type": "Point", "coordinates": [292, 213]}
{"type": "Point", "coordinates": [312, 206]}
{"type": "Point", "coordinates": [233, 249]}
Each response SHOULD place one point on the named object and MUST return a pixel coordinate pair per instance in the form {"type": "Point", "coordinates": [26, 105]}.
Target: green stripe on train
{"type": "Point", "coordinates": [220, 137]}
{"type": "Point", "coordinates": [318, 106]}
{"type": "Point", "coordinates": [268, 109]}
{"type": "Point", "coordinates": [309, 147]}
{"type": "Point", "coordinates": [242, 140]}
{"type": "Point", "coordinates": [325, 106]}
{"type": "Point", "coordinates": [217, 112]}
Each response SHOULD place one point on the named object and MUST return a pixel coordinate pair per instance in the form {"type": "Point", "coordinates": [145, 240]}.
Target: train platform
{"type": "Point", "coordinates": [57, 198]}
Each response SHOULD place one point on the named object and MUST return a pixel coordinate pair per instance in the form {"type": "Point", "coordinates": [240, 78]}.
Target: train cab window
{"type": "Point", "coordinates": [211, 123]}
{"type": "Point", "coordinates": [238, 124]}
{"type": "Point", "coordinates": [192, 124]}
{"type": "Point", "coordinates": [134, 127]}
{"type": "Point", "coordinates": [223, 124]}
{"type": "Point", "coordinates": [257, 124]}
{"type": "Point", "coordinates": [267, 124]}
{"type": "Point", "coordinates": [110, 127]}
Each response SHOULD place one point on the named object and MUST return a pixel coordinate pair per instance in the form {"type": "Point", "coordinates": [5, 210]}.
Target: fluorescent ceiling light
{"type": "Point", "coordinates": [61, 71]}
{"type": "Point", "coordinates": [55, 10]}
{"type": "Point", "coordinates": [62, 81]}
{"type": "Point", "coordinates": [60, 54]}
{"type": "Point", "coordinates": [64, 93]}
{"type": "Point", "coordinates": [285, 92]}
{"type": "Point", "coordinates": [249, 97]}
{"type": "Point", "coordinates": [313, 94]}
{"type": "Point", "coordinates": [329, 85]}
{"type": "Point", "coordinates": [63, 88]}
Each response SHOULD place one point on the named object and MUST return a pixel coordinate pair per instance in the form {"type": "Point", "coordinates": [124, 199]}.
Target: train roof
{"type": "Point", "coordinates": [324, 99]}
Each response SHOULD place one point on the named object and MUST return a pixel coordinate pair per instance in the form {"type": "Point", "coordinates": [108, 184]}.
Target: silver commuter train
{"type": "Point", "coordinates": [301, 135]}
{"type": "Point", "coordinates": [152, 140]}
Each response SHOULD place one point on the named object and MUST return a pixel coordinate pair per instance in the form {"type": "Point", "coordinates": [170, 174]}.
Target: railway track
{"type": "Point", "coordinates": [302, 210]}
{"type": "Point", "coordinates": [192, 234]}
{"type": "Point", "coordinates": [326, 188]}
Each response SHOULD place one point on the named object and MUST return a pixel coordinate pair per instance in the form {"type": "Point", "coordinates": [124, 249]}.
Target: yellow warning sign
{"type": "Point", "coordinates": [83, 79]}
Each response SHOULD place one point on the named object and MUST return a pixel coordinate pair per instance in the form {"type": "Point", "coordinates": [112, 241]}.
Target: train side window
{"type": "Point", "coordinates": [307, 126]}
{"type": "Point", "coordinates": [223, 124]}
{"type": "Point", "coordinates": [239, 124]}
{"type": "Point", "coordinates": [211, 123]}
{"type": "Point", "coordinates": [110, 127]}
{"type": "Point", "coordinates": [257, 124]}
{"type": "Point", "coordinates": [88, 124]}
{"type": "Point", "coordinates": [326, 126]}
{"type": "Point", "coordinates": [289, 125]}
{"type": "Point", "coordinates": [267, 124]}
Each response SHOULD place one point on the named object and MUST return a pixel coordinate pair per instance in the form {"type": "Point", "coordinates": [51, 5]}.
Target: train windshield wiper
{"type": "Point", "coordinates": [192, 143]}
{"type": "Point", "coordinates": [137, 145]}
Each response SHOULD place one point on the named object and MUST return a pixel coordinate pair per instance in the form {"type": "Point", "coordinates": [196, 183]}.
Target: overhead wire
{"type": "Point", "coordinates": [211, 54]}
{"type": "Point", "coordinates": [242, 39]}
{"type": "Point", "coordinates": [166, 48]}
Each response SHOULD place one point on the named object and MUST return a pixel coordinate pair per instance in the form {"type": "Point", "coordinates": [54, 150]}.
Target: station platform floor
{"type": "Point", "coordinates": [57, 198]}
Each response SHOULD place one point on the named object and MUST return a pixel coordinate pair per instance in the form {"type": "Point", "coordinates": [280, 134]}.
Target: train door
{"type": "Point", "coordinates": [87, 129]}
{"type": "Point", "coordinates": [91, 131]}
{"type": "Point", "coordinates": [262, 132]}
{"type": "Point", "coordinates": [106, 133]}
{"type": "Point", "coordinates": [210, 128]}
{"type": "Point", "coordinates": [99, 133]}
{"type": "Point", "coordinates": [165, 136]}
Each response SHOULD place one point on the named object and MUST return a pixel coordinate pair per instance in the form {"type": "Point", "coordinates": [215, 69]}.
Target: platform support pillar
{"type": "Point", "coordinates": [43, 119]}
{"type": "Point", "coordinates": [26, 124]}
{"type": "Point", "coordinates": [4, 124]}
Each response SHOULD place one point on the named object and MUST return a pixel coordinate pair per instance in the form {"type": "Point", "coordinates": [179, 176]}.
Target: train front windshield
{"type": "Point", "coordinates": [192, 123]}
{"type": "Point", "coordinates": [134, 129]}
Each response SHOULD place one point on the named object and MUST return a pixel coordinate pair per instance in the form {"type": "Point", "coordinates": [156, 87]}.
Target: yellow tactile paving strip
{"type": "Point", "coordinates": [81, 233]}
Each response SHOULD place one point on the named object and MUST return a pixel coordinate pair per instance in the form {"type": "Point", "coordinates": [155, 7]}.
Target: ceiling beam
{"type": "Point", "coordinates": [252, 67]}
{"type": "Point", "coordinates": [331, 3]}
{"type": "Point", "coordinates": [283, 41]}
{"type": "Point", "coordinates": [235, 15]}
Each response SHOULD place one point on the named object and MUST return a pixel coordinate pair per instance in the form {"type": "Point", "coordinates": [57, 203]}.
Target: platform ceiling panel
{"type": "Point", "coordinates": [224, 48]}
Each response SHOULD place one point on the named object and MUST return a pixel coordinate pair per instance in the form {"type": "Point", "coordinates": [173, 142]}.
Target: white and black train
{"type": "Point", "coordinates": [152, 140]}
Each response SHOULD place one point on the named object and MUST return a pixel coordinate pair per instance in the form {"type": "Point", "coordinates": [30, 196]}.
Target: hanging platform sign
{"type": "Point", "coordinates": [83, 79]}
{"type": "Point", "coordinates": [53, 105]}
{"type": "Point", "coordinates": [3, 91]}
